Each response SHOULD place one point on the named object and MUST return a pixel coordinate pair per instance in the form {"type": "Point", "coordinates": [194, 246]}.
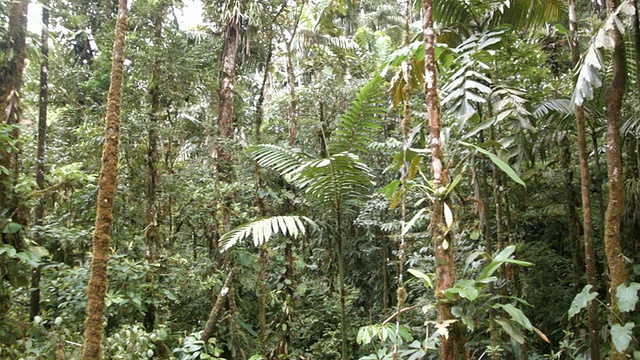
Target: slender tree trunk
{"type": "Point", "coordinates": [34, 308]}
{"type": "Point", "coordinates": [442, 237]}
{"type": "Point", "coordinates": [214, 315]}
{"type": "Point", "coordinates": [97, 287]}
{"type": "Point", "coordinates": [585, 179]}
{"type": "Point", "coordinates": [615, 208]}
{"type": "Point", "coordinates": [597, 176]}
{"type": "Point", "coordinates": [152, 232]}
{"type": "Point", "coordinates": [405, 129]}
{"type": "Point", "coordinates": [572, 216]}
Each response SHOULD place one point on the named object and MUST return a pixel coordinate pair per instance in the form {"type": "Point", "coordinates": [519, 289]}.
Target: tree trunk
{"type": "Point", "coordinates": [13, 51]}
{"type": "Point", "coordinates": [615, 209]}
{"type": "Point", "coordinates": [442, 237]}
{"type": "Point", "coordinates": [227, 91]}
{"type": "Point", "coordinates": [214, 315]}
{"type": "Point", "coordinates": [97, 287]}
{"type": "Point", "coordinates": [572, 216]}
{"type": "Point", "coordinates": [34, 308]}
{"type": "Point", "coordinates": [152, 232]}
{"type": "Point", "coordinates": [585, 179]}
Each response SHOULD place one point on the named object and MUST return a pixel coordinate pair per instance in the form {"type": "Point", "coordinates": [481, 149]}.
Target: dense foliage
{"type": "Point", "coordinates": [275, 186]}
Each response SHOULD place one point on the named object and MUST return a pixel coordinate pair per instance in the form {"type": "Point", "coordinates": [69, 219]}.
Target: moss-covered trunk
{"type": "Point", "coordinates": [615, 209]}
{"type": "Point", "coordinates": [443, 241]}
{"type": "Point", "coordinates": [97, 287]}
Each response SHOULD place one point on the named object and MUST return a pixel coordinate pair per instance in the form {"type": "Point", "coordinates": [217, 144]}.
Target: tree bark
{"type": "Point", "coordinates": [585, 179]}
{"type": "Point", "coordinates": [34, 308]}
{"type": "Point", "coordinates": [615, 209]}
{"type": "Point", "coordinates": [442, 237]}
{"type": "Point", "coordinates": [14, 51]}
{"type": "Point", "coordinates": [152, 232]}
{"type": "Point", "coordinates": [214, 315]}
{"type": "Point", "coordinates": [226, 104]}
{"type": "Point", "coordinates": [97, 287]}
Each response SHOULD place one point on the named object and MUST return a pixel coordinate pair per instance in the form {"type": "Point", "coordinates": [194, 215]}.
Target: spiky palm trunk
{"type": "Point", "coordinates": [443, 240]}
{"type": "Point", "coordinates": [615, 209]}
{"type": "Point", "coordinates": [97, 287]}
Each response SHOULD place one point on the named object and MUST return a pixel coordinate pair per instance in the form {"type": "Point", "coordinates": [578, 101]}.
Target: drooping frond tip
{"type": "Point", "coordinates": [261, 230]}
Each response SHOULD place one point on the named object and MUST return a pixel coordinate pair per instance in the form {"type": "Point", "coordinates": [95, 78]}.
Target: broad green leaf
{"type": "Point", "coordinates": [622, 335]}
{"type": "Point", "coordinates": [581, 300]}
{"type": "Point", "coordinates": [8, 249]}
{"type": "Point", "coordinates": [627, 296]}
{"type": "Point", "coordinates": [11, 228]}
{"type": "Point", "coordinates": [413, 220]}
{"type": "Point", "coordinates": [421, 275]}
{"type": "Point", "coordinates": [391, 188]}
{"type": "Point", "coordinates": [496, 160]}
{"type": "Point", "coordinates": [510, 329]}
{"type": "Point", "coordinates": [517, 315]}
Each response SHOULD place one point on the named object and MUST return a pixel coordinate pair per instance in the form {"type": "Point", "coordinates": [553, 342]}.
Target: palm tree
{"type": "Point", "coordinates": [336, 181]}
{"type": "Point", "coordinates": [97, 287]}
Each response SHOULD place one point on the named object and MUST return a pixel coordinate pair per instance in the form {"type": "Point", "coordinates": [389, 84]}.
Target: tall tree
{"type": "Point", "coordinates": [13, 52]}
{"type": "Point", "coordinates": [231, 35]}
{"type": "Point", "coordinates": [40, 154]}
{"type": "Point", "coordinates": [152, 232]}
{"type": "Point", "coordinates": [97, 287]}
{"type": "Point", "coordinates": [443, 240]}
{"type": "Point", "coordinates": [615, 208]}
{"type": "Point", "coordinates": [587, 226]}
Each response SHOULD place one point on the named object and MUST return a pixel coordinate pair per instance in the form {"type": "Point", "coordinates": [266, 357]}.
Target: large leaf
{"type": "Point", "coordinates": [261, 230]}
{"type": "Point", "coordinates": [581, 300]}
{"type": "Point", "coordinates": [517, 315]}
{"type": "Point", "coordinates": [496, 160]}
{"type": "Point", "coordinates": [627, 296]}
{"type": "Point", "coordinates": [511, 329]}
{"type": "Point", "coordinates": [622, 335]}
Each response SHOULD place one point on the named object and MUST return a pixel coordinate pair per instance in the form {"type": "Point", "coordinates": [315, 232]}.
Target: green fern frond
{"type": "Point", "coordinates": [359, 124]}
{"type": "Point", "coordinates": [287, 162]}
{"type": "Point", "coordinates": [261, 230]}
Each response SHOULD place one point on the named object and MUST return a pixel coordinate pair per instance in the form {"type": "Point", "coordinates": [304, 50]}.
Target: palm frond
{"type": "Point", "coordinates": [287, 162]}
{"type": "Point", "coordinates": [359, 124]}
{"type": "Point", "coordinates": [519, 14]}
{"type": "Point", "coordinates": [469, 87]}
{"type": "Point", "coordinates": [589, 77]}
{"type": "Point", "coordinates": [335, 180]}
{"type": "Point", "coordinates": [261, 230]}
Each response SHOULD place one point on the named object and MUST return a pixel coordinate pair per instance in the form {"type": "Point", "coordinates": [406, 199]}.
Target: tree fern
{"type": "Point", "coordinates": [261, 230]}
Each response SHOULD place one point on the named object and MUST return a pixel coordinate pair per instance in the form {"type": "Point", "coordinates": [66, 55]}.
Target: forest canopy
{"type": "Point", "coordinates": [319, 179]}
